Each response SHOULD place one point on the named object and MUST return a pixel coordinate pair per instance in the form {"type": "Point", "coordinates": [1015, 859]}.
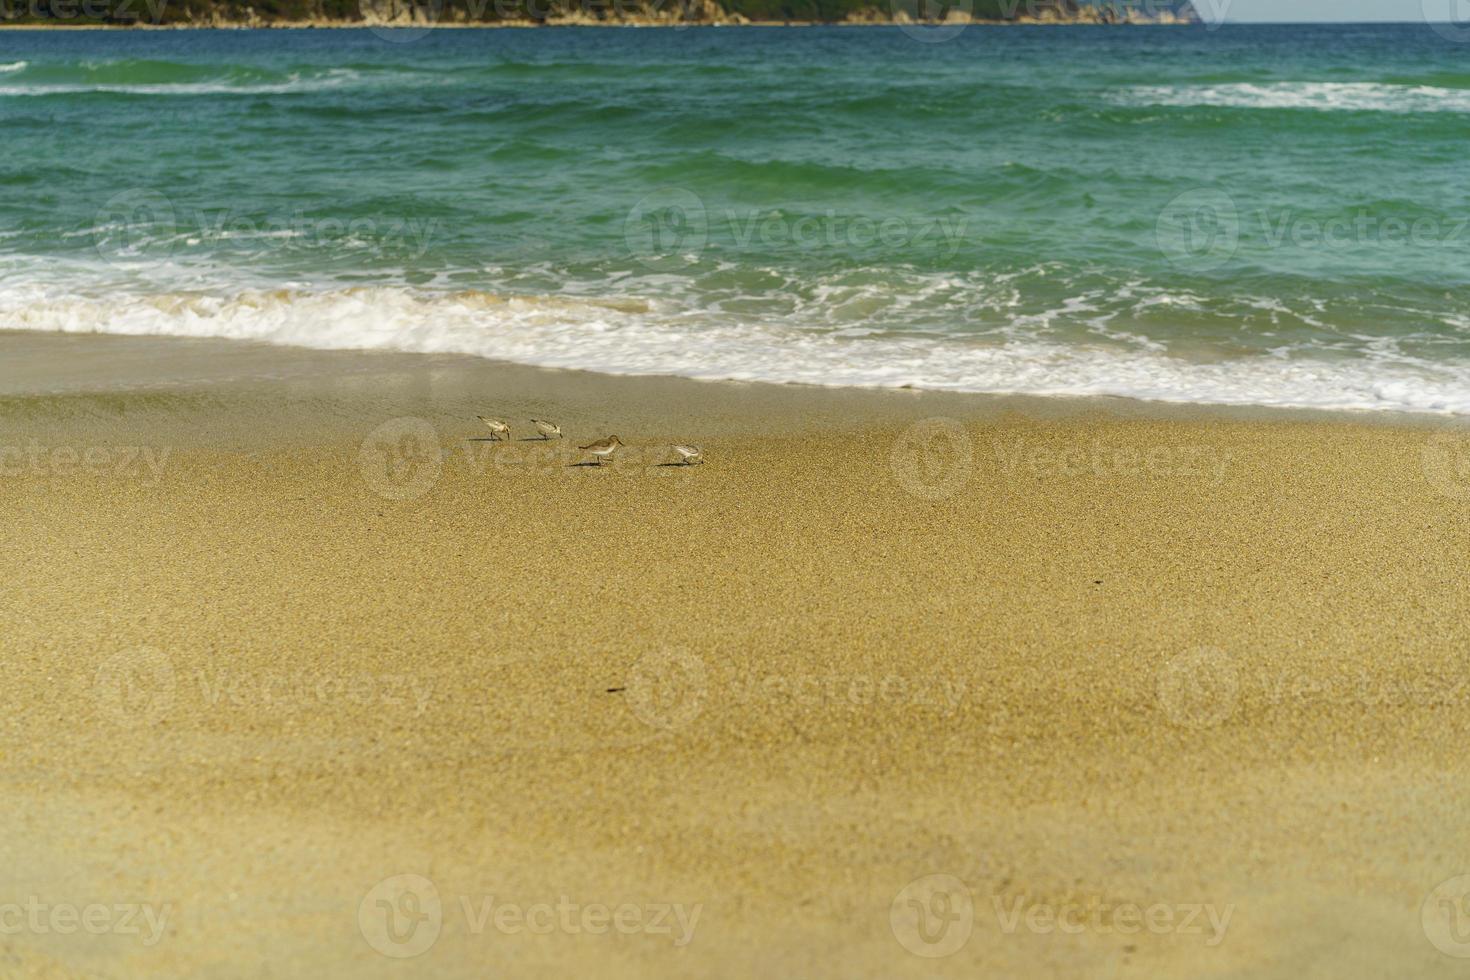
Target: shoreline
{"type": "Point", "coordinates": [92, 370]}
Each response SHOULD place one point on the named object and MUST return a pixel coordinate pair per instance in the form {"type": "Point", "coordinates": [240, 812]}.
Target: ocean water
{"type": "Point", "coordinates": [1248, 215]}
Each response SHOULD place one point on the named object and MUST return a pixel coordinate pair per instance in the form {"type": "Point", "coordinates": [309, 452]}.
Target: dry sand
{"type": "Point", "coordinates": [265, 647]}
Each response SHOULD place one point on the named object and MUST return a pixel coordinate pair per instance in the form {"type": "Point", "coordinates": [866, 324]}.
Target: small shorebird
{"type": "Point", "coordinates": [604, 449]}
{"type": "Point", "coordinates": [690, 454]}
{"type": "Point", "coordinates": [498, 429]}
{"type": "Point", "coordinates": [548, 430]}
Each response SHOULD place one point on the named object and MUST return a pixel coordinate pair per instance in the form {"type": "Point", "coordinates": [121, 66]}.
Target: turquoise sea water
{"type": "Point", "coordinates": [1253, 215]}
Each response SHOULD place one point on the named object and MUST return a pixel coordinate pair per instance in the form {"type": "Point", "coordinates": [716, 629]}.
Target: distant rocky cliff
{"type": "Point", "coordinates": [410, 13]}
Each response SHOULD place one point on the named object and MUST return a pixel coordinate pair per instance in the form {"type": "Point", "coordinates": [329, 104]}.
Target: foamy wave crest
{"type": "Point", "coordinates": [637, 337]}
{"type": "Point", "coordinates": [1321, 96]}
{"type": "Point", "coordinates": [13, 66]}
{"type": "Point", "coordinates": [335, 79]}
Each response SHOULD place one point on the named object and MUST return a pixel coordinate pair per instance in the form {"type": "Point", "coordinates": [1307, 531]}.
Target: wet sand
{"type": "Point", "coordinates": [1157, 691]}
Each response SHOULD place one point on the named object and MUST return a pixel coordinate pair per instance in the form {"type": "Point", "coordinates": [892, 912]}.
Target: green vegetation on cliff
{"type": "Point", "coordinates": [408, 12]}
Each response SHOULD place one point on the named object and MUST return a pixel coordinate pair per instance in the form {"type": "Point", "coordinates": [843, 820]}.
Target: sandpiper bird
{"type": "Point", "coordinates": [548, 430]}
{"type": "Point", "coordinates": [690, 454]}
{"type": "Point", "coordinates": [604, 449]}
{"type": "Point", "coordinates": [498, 429]}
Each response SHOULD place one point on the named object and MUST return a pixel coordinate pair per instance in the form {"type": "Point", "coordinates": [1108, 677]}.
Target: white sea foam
{"type": "Point", "coordinates": [13, 66]}
{"type": "Point", "coordinates": [1321, 96]}
{"type": "Point", "coordinates": [633, 337]}
{"type": "Point", "coordinates": [335, 79]}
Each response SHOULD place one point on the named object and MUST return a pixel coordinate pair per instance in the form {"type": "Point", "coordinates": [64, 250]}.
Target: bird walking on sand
{"type": "Point", "coordinates": [690, 455]}
{"type": "Point", "coordinates": [498, 429]}
{"type": "Point", "coordinates": [548, 430]}
{"type": "Point", "coordinates": [604, 449]}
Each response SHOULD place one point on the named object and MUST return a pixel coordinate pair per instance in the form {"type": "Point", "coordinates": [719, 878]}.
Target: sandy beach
{"type": "Point", "coordinates": [301, 681]}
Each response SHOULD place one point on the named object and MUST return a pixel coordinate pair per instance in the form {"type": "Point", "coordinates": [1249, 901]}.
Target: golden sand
{"type": "Point", "coordinates": [1159, 693]}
